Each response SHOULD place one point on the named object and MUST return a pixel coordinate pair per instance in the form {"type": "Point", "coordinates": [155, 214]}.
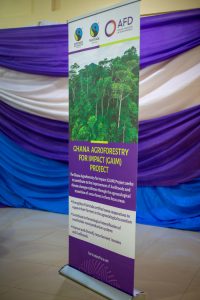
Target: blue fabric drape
{"type": "Point", "coordinates": [28, 180]}
{"type": "Point", "coordinates": [39, 183]}
{"type": "Point", "coordinates": [175, 207]}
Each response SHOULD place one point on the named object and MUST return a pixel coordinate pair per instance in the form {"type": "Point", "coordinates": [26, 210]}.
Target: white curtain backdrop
{"type": "Point", "coordinates": [170, 86]}
{"type": "Point", "coordinates": [165, 88]}
{"type": "Point", "coordinates": [41, 95]}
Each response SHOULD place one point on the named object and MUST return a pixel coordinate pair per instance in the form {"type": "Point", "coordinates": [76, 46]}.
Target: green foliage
{"type": "Point", "coordinates": [104, 99]}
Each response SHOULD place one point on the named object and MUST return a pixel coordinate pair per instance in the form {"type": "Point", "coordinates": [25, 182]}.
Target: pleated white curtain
{"type": "Point", "coordinates": [170, 86]}
{"type": "Point", "coordinates": [165, 88]}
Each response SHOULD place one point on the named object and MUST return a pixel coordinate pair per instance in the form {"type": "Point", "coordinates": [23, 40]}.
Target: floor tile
{"type": "Point", "coordinates": [47, 219]}
{"type": "Point", "coordinates": [3, 289]}
{"type": "Point", "coordinates": [33, 247]}
{"type": "Point", "coordinates": [193, 290]}
{"type": "Point", "coordinates": [19, 294]}
{"type": "Point", "coordinates": [15, 236]}
{"type": "Point", "coordinates": [177, 247]}
{"type": "Point", "coordinates": [191, 295]}
{"type": "Point", "coordinates": [10, 216]}
{"type": "Point", "coordinates": [166, 272]}
{"type": "Point", "coordinates": [14, 271]}
{"type": "Point", "coordinates": [51, 282]}
{"type": "Point", "coordinates": [147, 236]}
{"type": "Point", "coordinates": [159, 290]}
{"type": "Point", "coordinates": [195, 282]}
{"type": "Point", "coordinates": [57, 238]}
{"type": "Point", "coordinates": [38, 252]}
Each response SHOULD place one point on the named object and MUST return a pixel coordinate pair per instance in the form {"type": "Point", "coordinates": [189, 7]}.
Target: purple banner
{"type": "Point", "coordinates": [102, 264]}
{"type": "Point", "coordinates": [103, 118]}
{"type": "Point", "coordinates": [105, 174]}
{"type": "Point", "coordinates": [102, 206]}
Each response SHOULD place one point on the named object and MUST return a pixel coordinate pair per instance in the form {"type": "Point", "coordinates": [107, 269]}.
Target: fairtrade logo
{"type": "Point", "coordinates": [94, 29]}
{"type": "Point", "coordinates": [110, 28]}
{"type": "Point", "coordinates": [78, 34]}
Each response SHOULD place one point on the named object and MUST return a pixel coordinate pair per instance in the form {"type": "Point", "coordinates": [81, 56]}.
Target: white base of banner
{"type": "Point", "coordinates": [97, 286]}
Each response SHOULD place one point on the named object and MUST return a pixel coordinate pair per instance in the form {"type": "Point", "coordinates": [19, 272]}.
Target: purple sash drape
{"type": "Point", "coordinates": [169, 146]}
{"type": "Point", "coordinates": [43, 49]}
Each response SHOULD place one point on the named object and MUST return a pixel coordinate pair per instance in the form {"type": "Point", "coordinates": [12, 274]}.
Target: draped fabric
{"type": "Point", "coordinates": [175, 207]}
{"type": "Point", "coordinates": [34, 115]}
{"type": "Point", "coordinates": [166, 35]}
{"type": "Point", "coordinates": [45, 137]}
{"type": "Point", "coordinates": [29, 180]}
{"type": "Point", "coordinates": [43, 50]}
{"type": "Point", "coordinates": [170, 86]}
{"type": "Point", "coordinates": [37, 50]}
{"type": "Point", "coordinates": [169, 147]}
{"type": "Point", "coordinates": [177, 78]}
{"type": "Point", "coordinates": [39, 95]}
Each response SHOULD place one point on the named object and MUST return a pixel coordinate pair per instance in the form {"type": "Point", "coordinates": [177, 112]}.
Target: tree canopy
{"type": "Point", "coordinates": [104, 99]}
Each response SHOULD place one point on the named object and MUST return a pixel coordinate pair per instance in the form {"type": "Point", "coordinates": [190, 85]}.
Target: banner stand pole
{"type": "Point", "coordinates": [98, 286]}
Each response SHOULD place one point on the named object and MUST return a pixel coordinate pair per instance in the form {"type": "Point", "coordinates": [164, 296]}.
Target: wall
{"type": "Point", "coordinates": [17, 13]}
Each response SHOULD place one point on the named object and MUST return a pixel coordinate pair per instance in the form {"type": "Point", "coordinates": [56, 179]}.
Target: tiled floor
{"type": "Point", "coordinates": [33, 246]}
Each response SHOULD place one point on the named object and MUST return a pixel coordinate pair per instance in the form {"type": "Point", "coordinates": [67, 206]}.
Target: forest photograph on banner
{"type": "Point", "coordinates": [104, 94]}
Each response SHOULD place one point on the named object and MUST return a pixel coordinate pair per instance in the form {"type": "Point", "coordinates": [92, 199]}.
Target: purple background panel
{"type": "Point", "coordinates": [117, 270]}
{"type": "Point", "coordinates": [127, 172]}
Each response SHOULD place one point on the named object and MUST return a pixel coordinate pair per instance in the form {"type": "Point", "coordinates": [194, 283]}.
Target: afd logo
{"type": "Point", "coordinates": [112, 25]}
{"type": "Point", "coordinates": [78, 34]}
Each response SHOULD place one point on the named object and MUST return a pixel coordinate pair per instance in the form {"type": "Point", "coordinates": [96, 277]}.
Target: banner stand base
{"type": "Point", "coordinates": [97, 286]}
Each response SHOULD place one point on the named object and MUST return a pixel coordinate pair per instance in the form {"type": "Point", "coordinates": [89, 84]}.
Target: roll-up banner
{"type": "Point", "coordinates": [103, 118]}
